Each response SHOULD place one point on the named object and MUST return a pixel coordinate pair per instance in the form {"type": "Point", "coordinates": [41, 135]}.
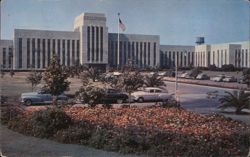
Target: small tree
{"type": "Point", "coordinates": [91, 73]}
{"type": "Point", "coordinates": [90, 94]}
{"type": "Point", "coordinates": [238, 99]}
{"type": "Point", "coordinates": [195, 72]}
{"type": "Point", "coordinates": [246, 76]}
{"type": "Point", "coordinates": [55, 77]}
{"type": "Point", "coordinates": [131, 81]}
{"type": "Point", "coordinates": [34, 78]}
{"type": "Point", "coordinates": [154, 80]}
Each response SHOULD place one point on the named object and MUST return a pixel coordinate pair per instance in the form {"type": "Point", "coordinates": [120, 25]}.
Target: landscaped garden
{"type": "Point", "coordinates": [159, 130]}
{"type": "Point", "coordinates": [155, 131]}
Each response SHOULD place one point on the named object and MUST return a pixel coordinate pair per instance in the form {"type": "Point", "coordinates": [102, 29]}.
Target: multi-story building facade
{"type": "Point", "coordinates": [6, 54]}
{"type": "Point", "coordinates": [90, 44]}
{"type": "Point", "coordinates": [236, 54]}
{"type": "Point", "coordinates": [169, 54]}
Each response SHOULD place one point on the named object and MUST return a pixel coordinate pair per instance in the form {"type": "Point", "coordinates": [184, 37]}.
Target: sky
{"type": "Point", "coordinates": [178, 22]}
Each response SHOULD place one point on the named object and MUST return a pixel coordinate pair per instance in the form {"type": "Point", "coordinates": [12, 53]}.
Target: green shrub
{"type": "Point", "coordinates": [47, 122]}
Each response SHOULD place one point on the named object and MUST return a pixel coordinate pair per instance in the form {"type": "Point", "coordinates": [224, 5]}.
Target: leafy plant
{"type": "Point", "coordinates": [34, 78]}
{"type": "Point", "coordinates": [92, 73]}
{"type": "Point", "coordinates": [246, 76]}
{"type": "Point", "coordinates": [131, 81]}
{"type": "Point", "coordinates": [55, 77]}
{"type": "Point", "coordinates": [195, 72]}
{"type": "Point", "coordinates": [153, 80]}
{"type": "Point", "coordinates": [90, 94]}
{"type": "Point", "coordinates": [47, 122]}
{"type": "Point", "coordinates": [238, 99]}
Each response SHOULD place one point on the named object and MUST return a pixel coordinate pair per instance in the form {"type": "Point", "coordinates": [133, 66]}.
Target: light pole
{"type": "Point", "coordinates": [176, 77]}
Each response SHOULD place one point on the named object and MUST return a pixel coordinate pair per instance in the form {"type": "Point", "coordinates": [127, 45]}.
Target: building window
{"type": "Point", "coordinates": [148, 53]}
{"type": "Point", "coordinates": [28, 53]}
{"type": "Point", "coordinates": [97, 43]}
{"type": "Point", "coordinates": [145, 53]}
{"type": "Point", "coordinates": [140, 54]}
{"type": "Point", "coordinates": [154, 54]}
{"type": "Point", "coordinates": [246, 57]}
{"type": "Point", "coordinates": [137, 53]}
{"type": "Point", "coordinates": [222, 57]}
{"type": "Point", "coordinates": [125, 53]}
{"type": "Point", "coordinates": [78, 52]}
{"type": "Point", "coordinates": [73, 52]}
{"type": "Point", "coordinates": [68, 52]}
{"type": "Point", "coordinates": [93, 43]}
{"type": "Point", "coordinates": [53, 47]}
{"type": "Point", "coordinates": [120, 53]}
{"type": "Point", "coordinates": [33, 53]}
{"type": "Point", "coordinates": [63, 52]}
{"type": "Point", "coordinates": [225, 57]}
{"type": "Point", "coordinates": [59, 49]}
{"type": "Point", "coordinates": [43, 53]}
{"type": "Point", "coordinates": [133, 53]}
{"type": "Point", "coordinates": [129, 51]}
{"type": "Point", "coordinates": [20, 50]}
{"type": "Point", "coordinates": [48, 51]}
{"type": "Point", "coordinates": [174, 63]}
{"type": "Point", "coordinates": [4, 57]}
{"type": "Point", "coordinates": [38, 52]}
{"type": "Point", "coordinates": [101, 44]}
{"type": "Point", "coordinates": [88, 44]}
{"type": "Point", "coordinates": [10, 57]}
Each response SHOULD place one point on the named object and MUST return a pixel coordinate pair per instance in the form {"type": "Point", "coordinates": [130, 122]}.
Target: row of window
{"type": "Point", "coordinates": [94, 43]}
{"type": "Point", "coordinates": [41, 48]}
{"type": "Point", "coordinates": [201, 58]}
{"type": "Point", "coordinates": [167, 58]}
{"type": "Point", "coordinates": [7, 58]}
{"type": "Point", "coordinates": [137, 53]}
{"type": "Point", "coordinates": [240, 55]}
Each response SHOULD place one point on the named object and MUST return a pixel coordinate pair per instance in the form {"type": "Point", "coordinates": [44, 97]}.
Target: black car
{"type": "Point", "coordinates": [114, 96]}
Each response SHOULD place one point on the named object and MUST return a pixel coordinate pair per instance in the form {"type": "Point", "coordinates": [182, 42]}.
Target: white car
{"type": "Point", "coordinates": [218, 78]}
{"type": "Point", "coordinates": [229, 79]}
{"type": "Point", "coordinates": [151, 94]}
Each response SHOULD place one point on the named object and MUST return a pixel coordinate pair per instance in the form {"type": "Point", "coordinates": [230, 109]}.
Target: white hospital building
{"type": "Point", "coordinates": [91, 44]}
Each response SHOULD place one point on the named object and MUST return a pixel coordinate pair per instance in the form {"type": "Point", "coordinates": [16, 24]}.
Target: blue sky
{"type": "Point", "coordinates": [176, 21]}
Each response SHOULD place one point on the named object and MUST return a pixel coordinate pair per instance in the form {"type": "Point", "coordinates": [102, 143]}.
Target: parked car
{"type": "Point", "coordinates": [184, 75]}
{"type": "Point", "coordinates": [151, 94]}
{"type": "Point", "coordinates": [40, 97]}
{"type": "Point", "coordinates": [162, 73]}
{"type": "Point", "coordinates": [202, 76]}
{"type": "Point", "coordinates": [241, 80]}
{"type": "Point", "coordinates": [218, 78]}
{"type": "Point", "coordinates": [114, 95]}
{"type": "Point", "coordinates": [229, 79]}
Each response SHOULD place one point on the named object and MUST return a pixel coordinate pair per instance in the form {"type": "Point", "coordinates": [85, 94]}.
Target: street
{"type": "Point", "coordinates": [194, 98]}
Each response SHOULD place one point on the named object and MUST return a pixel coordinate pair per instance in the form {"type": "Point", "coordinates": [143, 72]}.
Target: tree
{"type": "Point", "coordinates": [154, 80]}
{"type": "Point", "coordinates": [12, 73]}
{"type": "Point", "coordinates": [34, 78]}
{"type": "Point", "coordinates": [131, 81]}
{"type": "Point", "coordinates": [246, 76]}
{"type": "Point", "coordinates": [91, 73]}
{"type": "Point", "coordinates": [55, 78]}
{"type": "Point", "coordinates": [227, 67]}
{"type": "Point", "coordinates": [195, 72]}
{"type": "Point", "coordinates": [212, 67]}
{"type": "Point", "coordinates": [90, 94]}
{"type": "Point", "coordinates": [238, 99]}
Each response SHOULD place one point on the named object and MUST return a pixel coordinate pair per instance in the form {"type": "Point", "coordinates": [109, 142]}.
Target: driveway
{"type": "Point", "coordinates": [17, 145]}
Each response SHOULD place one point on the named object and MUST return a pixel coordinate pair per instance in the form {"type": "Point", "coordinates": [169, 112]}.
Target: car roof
{"type": "Point", "coordinates": [153, 88]}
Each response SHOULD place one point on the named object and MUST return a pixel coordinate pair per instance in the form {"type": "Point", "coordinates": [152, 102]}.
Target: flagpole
{"type": "Point", "coordinates": [118, 44]}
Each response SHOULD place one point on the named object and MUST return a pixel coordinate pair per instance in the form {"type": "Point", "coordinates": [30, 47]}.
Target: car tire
{"type": "Point", "coordinates": [28, 102]}
{"type": "Point", "coordinates": [140, 100]}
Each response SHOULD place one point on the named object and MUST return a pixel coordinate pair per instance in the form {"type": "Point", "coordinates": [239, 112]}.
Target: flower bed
{"type": "Point", "coordinates": [153, 131]}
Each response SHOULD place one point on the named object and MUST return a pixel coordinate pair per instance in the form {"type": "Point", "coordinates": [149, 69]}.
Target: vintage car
{"type": "Point", "coordinates": [40, 97]}
{"type": "Point", "coordinates": [151, 94]}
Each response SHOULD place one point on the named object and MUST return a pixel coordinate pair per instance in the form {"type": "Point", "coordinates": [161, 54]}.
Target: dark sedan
{"type": "Point", "coordinates": [114, 95]}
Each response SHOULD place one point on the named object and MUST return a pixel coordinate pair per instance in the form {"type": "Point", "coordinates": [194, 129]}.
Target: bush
{"type": "Point", "coordinates": [47, 122]}
{"type": "Point", "coordinates": [227, 67]}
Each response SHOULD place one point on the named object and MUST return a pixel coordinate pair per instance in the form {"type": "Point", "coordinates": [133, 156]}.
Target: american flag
{"type": "Point", "coordinates": [122, 26]}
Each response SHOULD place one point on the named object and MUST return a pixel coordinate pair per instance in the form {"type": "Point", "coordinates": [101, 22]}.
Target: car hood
{"type": "Point", "coordinates": [139, 92]}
